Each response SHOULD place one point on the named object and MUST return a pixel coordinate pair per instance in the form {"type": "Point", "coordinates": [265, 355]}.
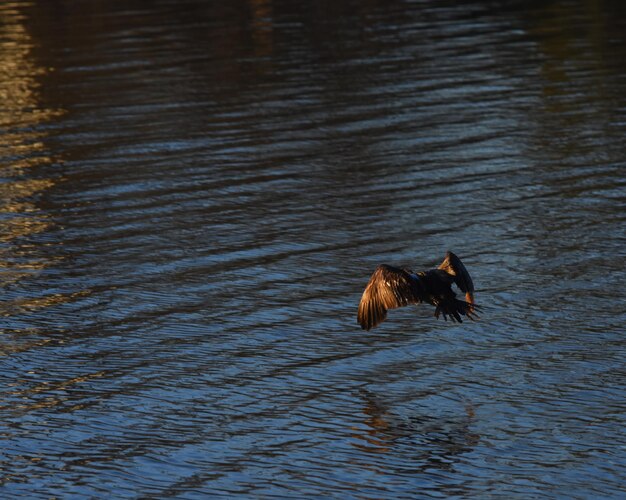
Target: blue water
{"type": "Point", "coordinates": [194, 195]}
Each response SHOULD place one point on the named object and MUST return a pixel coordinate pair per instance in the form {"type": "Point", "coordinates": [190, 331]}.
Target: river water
{"type": "Point", "coordinates": [194, 194]}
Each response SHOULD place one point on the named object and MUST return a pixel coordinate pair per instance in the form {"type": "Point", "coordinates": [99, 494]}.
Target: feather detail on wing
{"type": "Point", "coordinates": [453, 266]}
{"type": "Point", "coordinates": [388, 288]}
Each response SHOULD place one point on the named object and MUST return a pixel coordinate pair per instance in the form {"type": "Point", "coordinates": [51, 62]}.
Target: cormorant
{"type": "Point", "coordinates": [391, 287]}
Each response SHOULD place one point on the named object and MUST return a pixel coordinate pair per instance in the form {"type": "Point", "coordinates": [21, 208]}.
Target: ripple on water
{"type": "Point", "coordinates": [194, 196]}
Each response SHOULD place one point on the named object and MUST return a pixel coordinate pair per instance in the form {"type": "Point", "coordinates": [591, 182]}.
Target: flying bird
{"type": "Point", "coordinates": [391, 287]}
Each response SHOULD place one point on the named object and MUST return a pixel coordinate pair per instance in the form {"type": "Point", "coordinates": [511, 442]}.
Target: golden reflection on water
{"type": "Point", "coordinates": [53, 394]}
{"type": "Point", "coordinates": [382, 432]}
{"type": "Point", "coordinates": [22, 148]}
{"type": "Point", "coordinates": [262, 27]}
{"type": "Point", "coordinates": [25, 304]}
{"type": "Point", "coordinates": [375, 436]}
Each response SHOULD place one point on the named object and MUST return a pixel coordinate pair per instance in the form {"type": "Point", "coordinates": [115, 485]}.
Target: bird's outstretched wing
{"type": "Point", "coordinates": [454, 267]}
{"type": "Point", "coordinates": [388, 288]}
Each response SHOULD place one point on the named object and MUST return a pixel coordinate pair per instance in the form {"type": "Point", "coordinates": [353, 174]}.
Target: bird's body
{"type": "Point", "coordinates": [391, 287]}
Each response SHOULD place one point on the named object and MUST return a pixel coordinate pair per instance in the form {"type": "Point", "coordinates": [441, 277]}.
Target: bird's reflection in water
{"type": "Point", "coordinates": [432, 441]}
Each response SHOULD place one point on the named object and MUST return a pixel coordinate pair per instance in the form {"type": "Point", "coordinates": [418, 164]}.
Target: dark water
{"type": "Point", "coordinates": [194, 194]}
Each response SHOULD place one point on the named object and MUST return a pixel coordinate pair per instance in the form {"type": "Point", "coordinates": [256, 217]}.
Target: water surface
{"type": "Point", "coordinates": [194, 194]}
